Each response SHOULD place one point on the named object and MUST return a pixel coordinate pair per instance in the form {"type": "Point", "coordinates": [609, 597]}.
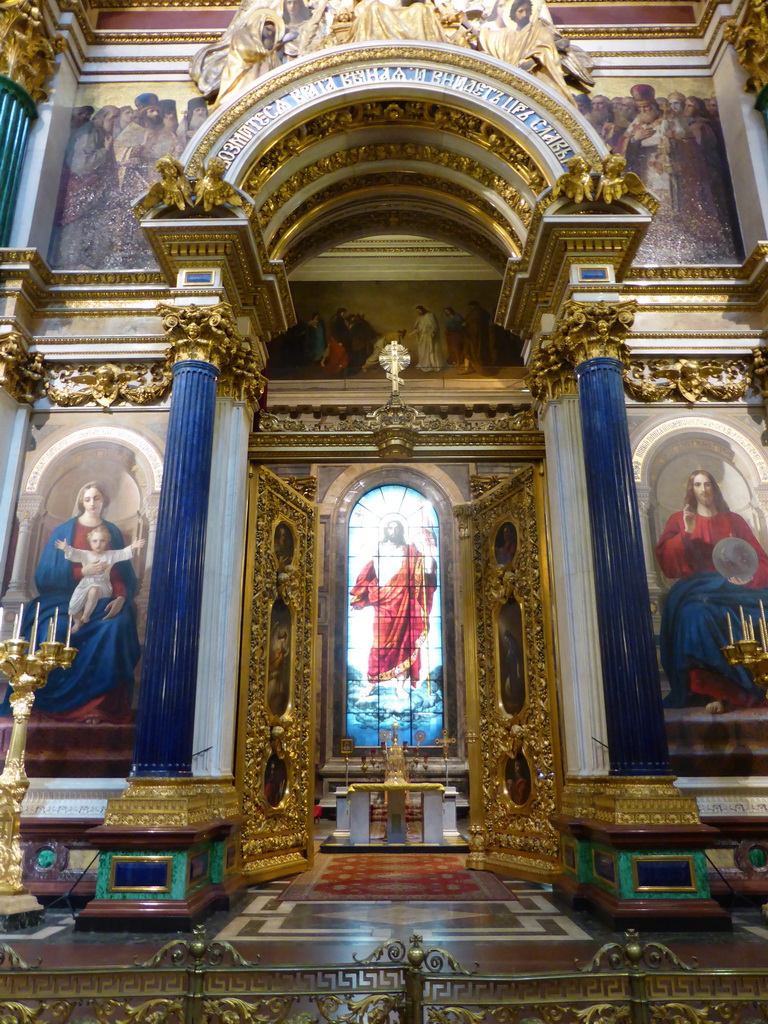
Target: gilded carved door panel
{"type": "Point", "coordinates": [275, 755]}
{"type": "Point", "coordinates": [511, 696]}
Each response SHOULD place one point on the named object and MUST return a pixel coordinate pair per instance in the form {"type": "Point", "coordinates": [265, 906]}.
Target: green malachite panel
{"type": "Point", "coordinates": [17, 111]}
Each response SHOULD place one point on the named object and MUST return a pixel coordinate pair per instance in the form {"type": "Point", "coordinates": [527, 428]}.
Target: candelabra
{"type": "Point", "coordinates": [27, 669]}
{"type": "Point", "coordinates": [747, 651]}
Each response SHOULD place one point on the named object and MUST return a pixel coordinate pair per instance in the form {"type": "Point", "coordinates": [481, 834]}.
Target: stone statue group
{"type": "Point", "coordinates": [267, 33]}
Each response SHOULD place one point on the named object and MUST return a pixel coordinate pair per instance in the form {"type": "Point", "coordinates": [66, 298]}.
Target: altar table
{"type": "Point", "coordinates": [394, 793]}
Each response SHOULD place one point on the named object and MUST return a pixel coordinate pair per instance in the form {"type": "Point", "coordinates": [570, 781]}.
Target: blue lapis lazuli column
{"type": "Point", "coordinates": [637, 742]}
{"type": "Point", "coordinates": [166, 712]}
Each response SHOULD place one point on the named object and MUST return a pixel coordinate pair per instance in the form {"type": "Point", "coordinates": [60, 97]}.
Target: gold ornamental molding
{"type": "Point", "coordinates": [107, 383]}
{"type": "Point", "coordinates": [399, 152]}
{"type": "Point", "coordinates": [328, 63]}
{"type": "Point", "coordinates": [395, 432]}
{"type": "Point", "coordinates": [410, 186]}
{"type": "Point", "coordinates": [584, 331]}
{"type": "Point", "coordinates": [209, 333]}
{"type": "Point", "coordinates": [173, 803]}
{"type": "Point", "coordinates": [400, 197]}
{"type": "Point", "coordinates": [652, 800]}
{"type": "Point", "coordinates": [29, 50]}
{"type": "Point", "coordinates": [20, 372]}
{"type": "Point", "coordinates": [750, 41]}
{"type": "Point", "coordinates": [567, 232]}
{"type": "Point", "coordinates": [658, 380]}
{"type": "Point", "coordinates": [692, 380]}
{"type": "Point", "coordinates": [422, 115]}
{"type": "Point", "coordinates": [385, 221]}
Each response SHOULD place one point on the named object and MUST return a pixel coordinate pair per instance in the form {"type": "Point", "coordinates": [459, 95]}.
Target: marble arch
{"type": "Point", "coordinates": [343, 144]}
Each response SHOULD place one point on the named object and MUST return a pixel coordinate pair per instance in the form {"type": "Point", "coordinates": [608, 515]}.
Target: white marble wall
{"type": "Point", "coordinates": [581, 693]}
{"type": "Point", "coordinates": [14, 419]}
{"type": "Point", "coordinates": [220, 633]}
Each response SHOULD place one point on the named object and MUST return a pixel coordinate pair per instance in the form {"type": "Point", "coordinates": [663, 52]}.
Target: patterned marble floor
{"type": "Point", "coordinates": [530, 931]}
{"type": "Point", "coordinates": [531, 914]}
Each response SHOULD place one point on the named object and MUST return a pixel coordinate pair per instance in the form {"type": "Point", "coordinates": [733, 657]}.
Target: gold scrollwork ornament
{"type": "Point", "coordinates": [20, 372]}
{"type": "Point", "coordinates": [750, 41]}
{"type": "Point", "coordinates": [107, 384]}
{"type": "Point", "coordinates": [692, 380]}
{"type": "Point", "coordinates": [29, 50]}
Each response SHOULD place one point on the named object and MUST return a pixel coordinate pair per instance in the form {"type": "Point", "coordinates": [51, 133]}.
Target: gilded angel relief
{"type": "Point", "coordinates": [267, 33]}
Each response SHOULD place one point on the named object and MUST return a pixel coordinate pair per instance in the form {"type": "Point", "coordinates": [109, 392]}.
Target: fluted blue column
{"type": "Point", "coordinates": [637, 742]}
{"type": "Point", "coordinates": [17, 111]}
{"type": "Point", "coordinates": [167, 696]}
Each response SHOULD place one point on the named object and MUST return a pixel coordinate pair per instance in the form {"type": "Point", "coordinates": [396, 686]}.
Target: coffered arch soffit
{"type": "Point", "coordinates": [395, 136]}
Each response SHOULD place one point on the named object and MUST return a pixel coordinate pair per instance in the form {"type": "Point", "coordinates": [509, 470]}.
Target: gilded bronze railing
{"type": "Point", "coordinates": [192, 982]}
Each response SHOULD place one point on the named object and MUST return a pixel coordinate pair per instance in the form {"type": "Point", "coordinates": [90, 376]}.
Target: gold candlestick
{"type": "Point", "coordinates": [27, 671]}
{"type": "Point", "coordinates": [753, 656]}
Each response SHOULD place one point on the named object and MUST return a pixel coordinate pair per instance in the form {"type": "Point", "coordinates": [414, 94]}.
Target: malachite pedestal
{"type": "Point", "coordinates": [166, 880]}
{"type": "Point", "coordinates": [636, 877]}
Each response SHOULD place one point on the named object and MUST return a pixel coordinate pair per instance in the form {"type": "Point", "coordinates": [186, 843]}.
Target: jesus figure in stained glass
{"type": "Point", "coordinates": [394, 652]}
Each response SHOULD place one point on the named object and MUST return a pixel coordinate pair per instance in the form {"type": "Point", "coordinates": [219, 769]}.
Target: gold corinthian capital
{"type": "Point", "coordinates": [587, 330]}
{"type": "Point", "coordinates": [29, 50]}
{"type": "Point", "coordinates": [584, 331]}
{"type": "Point", "coordinates": [208, 333]}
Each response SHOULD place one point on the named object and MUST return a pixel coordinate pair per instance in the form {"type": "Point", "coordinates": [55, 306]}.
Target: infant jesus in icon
{"type": "Point", "coordinates": [96, 584]}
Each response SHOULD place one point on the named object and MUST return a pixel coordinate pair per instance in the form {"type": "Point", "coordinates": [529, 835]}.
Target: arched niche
{"type": "Point", "coordinates": [668, 449]}
{"type": "Point", "coordinates": [335, 508]}
{"type": "Point", "coordinates": [123, 460]}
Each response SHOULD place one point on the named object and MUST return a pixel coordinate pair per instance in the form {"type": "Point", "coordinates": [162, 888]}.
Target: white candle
{"type": "Point", "coordinates": [2, 616]}
{"type": "Point", "coordinates": [19, 617]}
{"type": "Point", "coordinates": [33, 642]}
{"type": "Point", "coordinates": [69, 629]}
{"type": "Point", "coordinates": [730, 628]}
{"type": "Point", "coordinates": [55, 624]}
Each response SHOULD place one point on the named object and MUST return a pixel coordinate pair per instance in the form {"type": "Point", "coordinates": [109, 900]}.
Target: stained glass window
{"type": "Point", "coordinates": [394, 625]}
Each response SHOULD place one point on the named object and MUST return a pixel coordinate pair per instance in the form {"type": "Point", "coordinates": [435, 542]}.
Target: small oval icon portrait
{"type": "Point", "coordinates": [284, 545]}
{"type": "Point", "coordinates": [517, 779]}
{"type": "Point", "coordinates": [275, 781]}
{"type": "Point", "coordinates": [505, 544]}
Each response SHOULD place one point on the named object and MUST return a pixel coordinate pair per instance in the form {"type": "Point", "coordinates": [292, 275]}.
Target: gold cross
{"type": "Point", "coordinates": [393, 359]}
{"type": "Point", "coordinates": [445, 741]}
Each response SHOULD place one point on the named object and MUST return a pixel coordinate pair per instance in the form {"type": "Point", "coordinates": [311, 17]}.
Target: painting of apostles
{"type": "Point", "coordinates": [110, 160]}
{"type": "Point", "coordinates": [720, 574]}
{"type": "Point", "coordinates": [675, 144]}
{"type": "Point", "coordinates": [342, 342]}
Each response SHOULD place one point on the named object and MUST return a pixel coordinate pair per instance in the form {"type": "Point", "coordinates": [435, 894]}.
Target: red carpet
{"type": "Point", "coordinates": [394, 876]}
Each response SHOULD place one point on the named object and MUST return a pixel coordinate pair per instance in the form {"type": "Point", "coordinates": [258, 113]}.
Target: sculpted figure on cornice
{"type": "Point", "coordinates": [266, 33]}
